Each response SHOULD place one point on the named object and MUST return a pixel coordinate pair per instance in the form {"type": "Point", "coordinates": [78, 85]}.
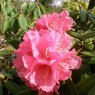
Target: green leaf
{"type": "Point", "coordinates": [1, 89]}
{"type": "Point", "coordinates": [90, 16]}
{"type": "Point", "coordinates": [43, 9]}
{"type": "Point", "coordinates": [5, 52]}
{"type": "Point", "coordinates": [26, 92]}
{"type": "Point", "coordinates": [92, 91]}
{"type": "Point", "coordinates": [88, 35]}
{"type": "Point", "coordinates": [24, 7]}
{"type": "Point", "coordinates": [88, 44]}
{"type": "Point", "coordinates": [85, 81]}
{"type": "Point", "coordinates": [92, 60]}
{"type": "Point", "coordinates": [85, 36]}
{"type": "Point", "coordinates": [83, 14]}
{"type": "Point", "coordinates": [75, 34]}
{"type": "Point", "coordinates": [72, 88]}
{"type": "Point", "coordinates": [15, 25]}
{"type": "Point", "coordinates": [9, 8]}
{"type": "Point", "coordinates": [91, 54]}
{"type": "Point", "coordinates": [32, 6]}
{"type": "Point", "coordinates": [13, 87]}
{"type": "Point", "coordinates": [85, 88]}
{"type": "Point", "coordinates": [36, 14]}
{"type": "Point", "coordinates": [22, 22]}
{"type": "Point", "coordinates": [4, 11]}
{"type": "Point", "coordinates": [85, 85]}
{"type": "Point", "coordinates": [13, 16]}
{"type": "Point", "coordinates": [39, 11]}
{"type": "Point", "coordinates": [7, 75]}
{"type": "Point", "coordinates": [6, 25]}
{"type": "Point", "coordinates": [14, 43]}
{"type": "Point", "coordinates": [68, 88]}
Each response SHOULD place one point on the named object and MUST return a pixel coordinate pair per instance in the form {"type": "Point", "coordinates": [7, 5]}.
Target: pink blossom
{"type": "Point", "coordinates": [44, 57]}
{"type": "Point", "coordinates": [55, 21]}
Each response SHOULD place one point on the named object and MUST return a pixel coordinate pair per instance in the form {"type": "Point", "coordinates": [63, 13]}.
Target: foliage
{"type": "Point", "coordinates": [17, 17]}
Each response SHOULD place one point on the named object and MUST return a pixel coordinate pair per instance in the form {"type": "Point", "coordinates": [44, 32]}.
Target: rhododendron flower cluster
{"type": "Point", "coordinates": [44, 57]}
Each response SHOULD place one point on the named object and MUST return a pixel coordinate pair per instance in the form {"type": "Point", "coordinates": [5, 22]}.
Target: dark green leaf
{"type": "Point", "coordinates": [75, 34]}
{"type": "Point", "coordinates": [7, 75]}
{"type": "Point", "coordinates": [85, 36]}
{"type": "Point", "coordinates": [68, 88]}
{"type": "Point", "coordinates": [14, 43]}
{"type": "Point", "coordinates": [85, 85]}
{"type": "Point", "coordinates": [27, 92]}
{"type": "Point", "coordinates": [15, 25]}
{"type": "Point", "coordinates": [86, 88]}
{"type": "Point", "coordinates": [92, 61]}
{"type": "Point", "coordinates": [92, 91]}
{"type": "Point", "coordinates": [13, 87]}
{"type": "Point", "coordinates": [1, 89]}
{"type": "Point", "coordinates": [91, 18]}
{"type": "Point", "coordinates": [83, 14]}
{"type": "Point", "coordinates": [88, 35]}
{"type": "Point", "coordinates": [72, 88]}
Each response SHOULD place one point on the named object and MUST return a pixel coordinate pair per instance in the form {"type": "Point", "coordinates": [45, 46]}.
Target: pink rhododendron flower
{"type": "Point", "coordinates": [44, 57]}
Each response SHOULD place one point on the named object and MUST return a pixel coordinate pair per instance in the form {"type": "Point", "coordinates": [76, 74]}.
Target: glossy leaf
{"type": "Point", "coordinates": [85, 81]}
